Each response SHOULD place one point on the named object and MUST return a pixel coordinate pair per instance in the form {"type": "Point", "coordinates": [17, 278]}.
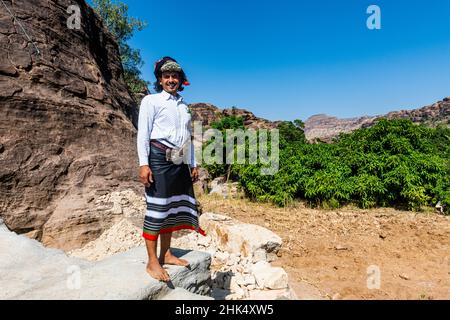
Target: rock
{"type": "Point", "coordinates": [269, 277]}
{"type": "Point", "coordinates": [249, 280]}
{"type": "Point", "coordinates": [222, 280]}
{"type": "Point", "coordinates": [119, 238]}
{"type": "Point", "coordinates": [259, 255]}
{"type": "Point", "coordinates": [439, 207]}
{"type": "Point", "coordinates": [6, 67]}
{"type": "Point", "coordinates": [204, 241]}
{"type": "Point", "coordinates": [28, 270]}
{"type": "Point", "coordinates": [223, 189]}
{"type": "Point", "coordinates": [207, 113]}
{"type": "Point", "coordinates": [240, 238]}
{"type": "Point", "coordinates": [219, 294]}
{"type": "Point", "coordinates": [222, 257]}
{"type": "Point", "coordinates": [404, 276]}
{"type": "Point", "coordinates": [234, 285]}
{"type": "Point", "coordinates": [325, 128]}
{"type": "Point", "coordinates": [61, 137]}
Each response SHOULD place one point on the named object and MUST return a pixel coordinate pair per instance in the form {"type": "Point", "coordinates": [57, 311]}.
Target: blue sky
{"type": "Point", "coordinates": [286, 60]}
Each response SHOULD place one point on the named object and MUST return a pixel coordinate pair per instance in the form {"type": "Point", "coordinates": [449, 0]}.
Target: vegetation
{"type": "Point", "coordinates": [394, 163]}
{"type": "Point", "coordinates": [116, 19]}
{"type": "Point", "coordinates": [216, 169]}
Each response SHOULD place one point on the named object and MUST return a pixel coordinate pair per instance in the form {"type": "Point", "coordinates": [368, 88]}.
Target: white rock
{"type": "Point", "coordinates": [239, 268]}
{"type": "Point", "coordinates": [259, 255]}
{"type": "Point", "coordinates": [51, 274]}
{"type": "Point", "coordinates": [239, 238]}
{"type": "Point", "coordinates": [234, 286]}
{"type": "Point", "coordinates": [249, 280]}
{"type": "Point", "coordinates": [269, 277]}
{"type": "Point", "coordinates": [212, 251]}
{"type": "Point", "coordinates": [204, 241]}
{"type": "Point", "coordinates": [221, 257]}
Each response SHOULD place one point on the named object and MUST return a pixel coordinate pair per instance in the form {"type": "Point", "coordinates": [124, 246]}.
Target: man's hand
{"type": "Point", "coordinates": [194, 174]}
{"type": "Point", "coordinates": [145, 175]}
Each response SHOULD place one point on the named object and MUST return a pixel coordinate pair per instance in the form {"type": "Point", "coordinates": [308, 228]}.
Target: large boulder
{"type": "Point", "coordinates": [67, 131]}
{"type": "Point", "coordinates": [247, 240]}
{"type": "Point", "coordinates": [28, 270]}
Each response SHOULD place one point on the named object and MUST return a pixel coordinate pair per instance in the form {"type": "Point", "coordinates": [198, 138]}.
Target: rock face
{"type": "Point", "coordinates": [66, 131]}
{"type": "Point", "coordinates": [322, 126]}
{"type": "Point", "coordinates": [207, 113]}
{"type": "Point", "coordinates": [30, 271]}
{"type": "Point", "coordinates": [326, 127]}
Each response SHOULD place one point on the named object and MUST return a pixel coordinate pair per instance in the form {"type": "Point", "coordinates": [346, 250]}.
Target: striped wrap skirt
{"type": "Point", "coordinates": [171, 203]}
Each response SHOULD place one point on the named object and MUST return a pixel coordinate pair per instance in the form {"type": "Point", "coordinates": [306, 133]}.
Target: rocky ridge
{"type": "Point", "coordinates": [325, 128]}
{"type": "Point", "coordinates": [67, 128]}
{"type": "Point", "coordinates": [207, 113]}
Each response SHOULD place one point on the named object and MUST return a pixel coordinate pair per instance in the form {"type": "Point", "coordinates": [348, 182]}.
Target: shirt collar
{"type": "Point", "coordinates": [168, 96]}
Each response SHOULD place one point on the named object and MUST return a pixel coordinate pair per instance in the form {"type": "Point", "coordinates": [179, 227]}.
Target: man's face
{"type": "Point", "coordinates": [170, 82]}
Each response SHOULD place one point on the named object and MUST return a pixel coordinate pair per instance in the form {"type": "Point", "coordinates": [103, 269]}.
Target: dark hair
{"type": "Point", "coordinates": [158, 74]}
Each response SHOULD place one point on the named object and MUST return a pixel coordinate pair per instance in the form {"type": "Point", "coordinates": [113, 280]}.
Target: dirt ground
{"type": "Point", "coordinates": [351, 253]}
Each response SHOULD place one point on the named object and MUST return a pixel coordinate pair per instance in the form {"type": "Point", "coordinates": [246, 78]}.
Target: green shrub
{"type": "Point", "coordinates": [393, 163]}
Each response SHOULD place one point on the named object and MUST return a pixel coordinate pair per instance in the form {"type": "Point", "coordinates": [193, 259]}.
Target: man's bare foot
{"type": "Point", "coordinates": [156, 271]}
{"type": "Point", "coordinates": [169, 258]}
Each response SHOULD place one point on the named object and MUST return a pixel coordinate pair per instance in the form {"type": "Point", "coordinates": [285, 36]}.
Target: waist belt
{"type": "Point", "coordinates": [159, 145]}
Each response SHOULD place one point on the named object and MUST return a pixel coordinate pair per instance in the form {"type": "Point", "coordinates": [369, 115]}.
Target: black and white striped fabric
{"type": "Point", "coordinates": [171, 204]}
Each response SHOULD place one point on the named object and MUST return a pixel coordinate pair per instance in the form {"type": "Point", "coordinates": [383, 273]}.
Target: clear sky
{"type": "Point", "coordinates": [285, 60]}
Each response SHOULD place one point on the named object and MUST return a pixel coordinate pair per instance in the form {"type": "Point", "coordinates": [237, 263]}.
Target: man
{"type": "Point", "coordinates": [164, 130]}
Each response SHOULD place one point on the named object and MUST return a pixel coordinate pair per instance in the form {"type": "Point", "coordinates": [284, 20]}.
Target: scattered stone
{"type": "Point", "coordinates": [404, 276]}
{"type": "Point", "coordinates": [269, 277]}
{"type": "Point", "coordinates": [119, 238]}
{"type": "Point", "coordinates": [222, 257]}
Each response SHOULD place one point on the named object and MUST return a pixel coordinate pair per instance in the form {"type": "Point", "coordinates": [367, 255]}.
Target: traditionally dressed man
{"type": "Point", "coordinates": [167, 166]}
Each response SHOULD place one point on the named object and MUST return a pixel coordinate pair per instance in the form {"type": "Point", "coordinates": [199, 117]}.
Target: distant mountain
{"type": "Point", "coordinates": [325, 128]}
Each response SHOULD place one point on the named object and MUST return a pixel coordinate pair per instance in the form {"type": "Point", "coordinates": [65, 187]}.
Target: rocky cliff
{"type": "Point", "coordinates": [66, 130]}
{"type": "Point", "coordinates": [326, 127]}
{"type": "Point", "coordinates": [208, 113]}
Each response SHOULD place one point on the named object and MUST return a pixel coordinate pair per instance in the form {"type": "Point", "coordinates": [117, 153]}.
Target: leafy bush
{"type": "Point", "coordinates": [393, 163]}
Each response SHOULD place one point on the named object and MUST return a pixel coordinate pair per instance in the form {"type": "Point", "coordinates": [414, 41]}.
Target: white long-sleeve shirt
{"type": "Point", "coordinates": [164, 117]}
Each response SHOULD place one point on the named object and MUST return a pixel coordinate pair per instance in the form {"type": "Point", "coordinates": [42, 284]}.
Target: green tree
{"type": "Point", "coordinates": [116, 19]}
{"type": "Point", "coordinates": [227, 122]}
{"type": "Point", "coordinates": [394, 163]}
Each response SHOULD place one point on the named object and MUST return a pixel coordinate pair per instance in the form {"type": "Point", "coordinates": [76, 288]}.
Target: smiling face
{"type": "Point", "coordinates": [170, 82]}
